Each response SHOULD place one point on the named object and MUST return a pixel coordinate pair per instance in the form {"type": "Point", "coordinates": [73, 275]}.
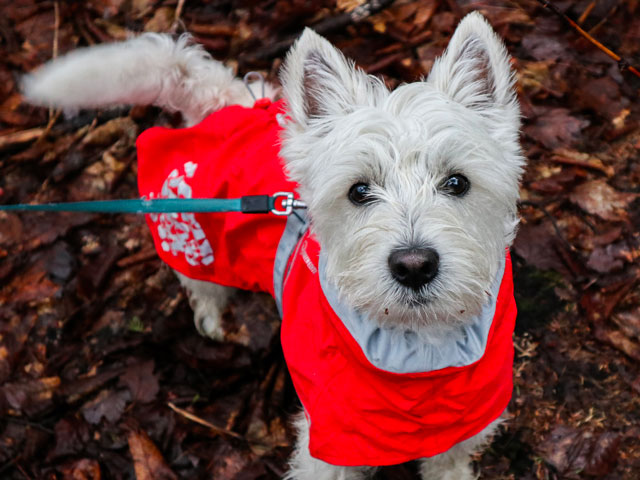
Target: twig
{"type": "Point", "coordinates": [586, 12]}
{"type": "Point", "coordinates": [603, 20]}
{"type": "Point", "coordinates": [622, 63]}
{"type": "Point", "coordinates": [18, 138]}
{"type": "Point", "coordinates": [178, 14]}
{"type": "Point", "coordinates": [52, 121]}
{"type": "Point", "coordinates": [202, 421]}
{"type": "Point", "coordinates": [21, 470]}
{"type": "Point", "coordinates": [334, 23]}
{"type": "Point", "coordinates": [54, 53]}
{"type": "Point", "coordinates": [56, 29]}
{"type": "Point", "coordinates": [30, 424]}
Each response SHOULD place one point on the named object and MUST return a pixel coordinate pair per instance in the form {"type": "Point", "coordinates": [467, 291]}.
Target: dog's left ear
{"type": "Point", "coordinates": [475, 71]}
{"type": "Point", "coordinates": [318, 81]}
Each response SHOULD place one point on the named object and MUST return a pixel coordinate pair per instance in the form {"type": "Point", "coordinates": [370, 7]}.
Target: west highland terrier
{"type": "Point", "coordinates": [395, 285]}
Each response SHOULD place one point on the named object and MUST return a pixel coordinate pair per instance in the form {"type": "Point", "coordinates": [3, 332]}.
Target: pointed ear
{"type": "Point", "coordinates": [319, 81]}
{"type": "Point", "coordinates": [475, 70]}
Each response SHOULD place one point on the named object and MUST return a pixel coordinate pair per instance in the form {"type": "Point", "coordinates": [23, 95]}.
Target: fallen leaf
{"type": "Point", "coordinates": [71, 437]}
{"type": "Point", "coordinates": [10, 229]}
{"type": "Point", "coordinates": [607, 237]}
{"type": "Point", "coordinates": [107, 404]}
{"type": "Point", "coordinates": [537, 244]}
{"type": "Point", "coordinates": [574, 452]}
{"type": "Point", "coordinates": [141, 381]}
{"type": "Point", "coordinates": [31, 397]}
{"type": "Point", "coordinates": [556, 127]}
{"type": "Point", "coordinates": [603, 260]}
{"type": "Point", "coordinates": [629, 322]}
{"type": "Point", "coordinates": [599, 198]}
{"type": "Point", "coordinates": [108, 8]}
{"type": "Point", "coordinates": [347, 5]}
{"type": "Point", "coordinates": [83, 469]}
{"type": "Point", "coordinates": [602, 95]}
{"type": "Point", "coordinates": [543, 46]}
{"type": "Point", "coordinates": [160, 22]}
{"type": "Point", "coordinates": [31, 285]}
{"type": "Point", "coordinates": [148, 462]}
{"type": "Point", "coordinates": [229, 463]}
{"type": "Point", "coordinates": [559, 182]}
{"type": "Point", "coordinates": [579, 159]}
{"type": "Point", "coordinates": [619, 340]}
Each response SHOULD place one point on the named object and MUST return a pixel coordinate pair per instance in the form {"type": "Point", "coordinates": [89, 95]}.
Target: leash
{"type": "Point", "coordinates": [281, 204]}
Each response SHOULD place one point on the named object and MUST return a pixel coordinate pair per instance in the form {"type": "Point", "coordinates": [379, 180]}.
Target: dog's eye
{"type": "Point", "coordinates": [359, 194]}
{"type": "Point", "coordinates": [456, 185]}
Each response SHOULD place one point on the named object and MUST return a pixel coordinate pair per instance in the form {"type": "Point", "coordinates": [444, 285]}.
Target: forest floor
{"type": "Point", "coordinates": [102, 374]}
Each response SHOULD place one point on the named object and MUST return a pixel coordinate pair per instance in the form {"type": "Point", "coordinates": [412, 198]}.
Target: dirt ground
{"type": "Point", "coordinates": [102, 374]}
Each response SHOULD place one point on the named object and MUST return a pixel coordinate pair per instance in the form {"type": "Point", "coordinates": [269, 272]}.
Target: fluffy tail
{"type": "Point", "coordinates": [150, 69]}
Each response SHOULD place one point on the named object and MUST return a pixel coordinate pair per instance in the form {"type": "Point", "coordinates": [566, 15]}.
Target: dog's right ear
{"type": "Point", "coordinates": [319, 82]}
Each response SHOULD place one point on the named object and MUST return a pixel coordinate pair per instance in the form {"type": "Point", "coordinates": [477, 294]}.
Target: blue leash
{"type": "Point", "coordinates": [281, 203]}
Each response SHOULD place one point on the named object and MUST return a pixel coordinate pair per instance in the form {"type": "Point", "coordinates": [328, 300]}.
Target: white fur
{"type": "Point", "coordinates": [208, 301]}
{"type": "Point", "coordinates": [150, 69]}
{"type": "Point", "coordinates": [453, 464]}
{"type": "Point", "coordinates": [346, 127]}
{"type": "Point", "coordinates": [405, 143]}
{"type": "Point", "coordinates": [304, 467]}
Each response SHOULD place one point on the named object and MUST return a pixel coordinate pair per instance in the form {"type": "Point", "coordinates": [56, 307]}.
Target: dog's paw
{"type": "Point", "coordinates": [209, 326]}
{"type": "Point", "coordinates": [207, 309]}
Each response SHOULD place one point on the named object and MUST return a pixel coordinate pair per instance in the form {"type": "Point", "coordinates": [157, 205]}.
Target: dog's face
{"type": "Point", "coordinates": [412, 193]}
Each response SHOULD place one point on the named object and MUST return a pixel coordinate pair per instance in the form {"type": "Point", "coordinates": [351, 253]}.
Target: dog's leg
{"type": "Point", "coordinates": [208, 301]}
{"type": "Point", "coordinates": [304, 467]}
{"type": "Point", "coordinates": [455, 463]}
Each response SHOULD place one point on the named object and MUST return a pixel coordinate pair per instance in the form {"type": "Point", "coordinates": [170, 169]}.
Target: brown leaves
{"type": "Point", "coordinates": [577, 452]}
{"type": "Point", "coordinates": [29, 398]}
{"type": "Point", "coordinates": [96, 335]}
{"type": "Point", "coordinates": [84, 469]}
{"type": "Point", "coordinates": [108, 405]}
{"type": "Point", "coordinates": [33, 284]}
{"type": "Point", "coordinates": [580, 159]}
{"type": "Point", "coordinates": [599, 198]}
{"type": "Point", "coordinates": [141, 381]}
{"type": "Point", "coordinates": [556, 127]}
{"type": "Point", "coordinates": [147, 460]}
{"type": "Point", "coordinates": [602, 95]}
{"type": "Point", "coordinates": [539, 246]}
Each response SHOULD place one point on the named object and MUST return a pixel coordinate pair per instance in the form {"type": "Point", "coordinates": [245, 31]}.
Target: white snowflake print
{"type": "Point", "coordinates": [180, 232]}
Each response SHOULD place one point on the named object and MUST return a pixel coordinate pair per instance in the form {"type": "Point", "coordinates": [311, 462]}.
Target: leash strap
{"type": "Point", "coordinates": [281, 203]}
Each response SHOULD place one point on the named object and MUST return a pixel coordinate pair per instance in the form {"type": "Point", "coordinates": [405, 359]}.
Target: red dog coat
{"type": "Point", "coordinates": [231, 153]}
{"type": "Point", "coordinates": [370, 399]}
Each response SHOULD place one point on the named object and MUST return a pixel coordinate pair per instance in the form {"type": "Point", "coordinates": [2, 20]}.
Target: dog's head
{"type": "Point", "coordinates": [412, 193]}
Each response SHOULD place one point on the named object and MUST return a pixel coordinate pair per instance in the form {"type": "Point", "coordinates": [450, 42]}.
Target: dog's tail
{"type": "Point", "coordinates": [150, 69]}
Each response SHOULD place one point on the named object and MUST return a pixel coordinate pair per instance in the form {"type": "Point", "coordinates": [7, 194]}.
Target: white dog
{"type": "Point", "coordinates": [411, 200]}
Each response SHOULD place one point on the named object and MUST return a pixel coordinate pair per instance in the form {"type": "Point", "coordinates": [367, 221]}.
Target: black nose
{"type": "Point", "coordinates": [414, 267]}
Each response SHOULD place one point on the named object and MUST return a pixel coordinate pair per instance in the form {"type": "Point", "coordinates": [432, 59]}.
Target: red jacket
{"type": "Point", "coordinates": [363, 408]}
{"type": "Point", "coordinates": [231, 153]}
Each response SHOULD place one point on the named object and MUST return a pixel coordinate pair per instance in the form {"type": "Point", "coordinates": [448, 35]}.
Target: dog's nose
{"type": "Point", "coordinates": [414, 267]}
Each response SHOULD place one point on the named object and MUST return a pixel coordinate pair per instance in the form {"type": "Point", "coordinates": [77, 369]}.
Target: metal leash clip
{"type": "Point", "coordinates": [287, 203]}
